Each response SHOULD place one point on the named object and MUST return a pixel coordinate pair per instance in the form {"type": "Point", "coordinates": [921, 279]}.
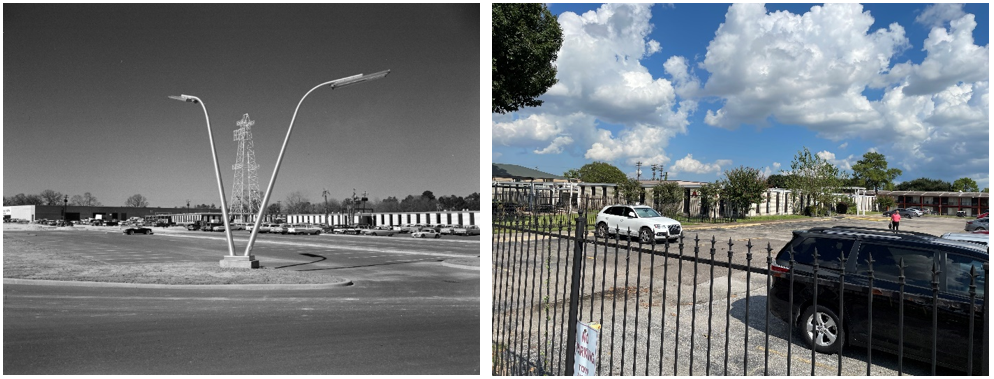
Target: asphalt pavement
{"type": "Point", "coordinates": [413, 307]}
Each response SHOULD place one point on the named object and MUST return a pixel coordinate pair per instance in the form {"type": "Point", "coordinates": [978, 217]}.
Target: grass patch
{"type": "Point", "coordinates": [24, 260]}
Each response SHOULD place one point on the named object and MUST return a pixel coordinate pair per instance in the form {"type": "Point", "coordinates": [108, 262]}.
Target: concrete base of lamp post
{"type": "Point", "coordinates": [239, 261]}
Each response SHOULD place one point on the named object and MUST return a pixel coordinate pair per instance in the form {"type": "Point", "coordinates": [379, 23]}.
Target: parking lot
{"type": "Point", "coordinates": [651, 306]}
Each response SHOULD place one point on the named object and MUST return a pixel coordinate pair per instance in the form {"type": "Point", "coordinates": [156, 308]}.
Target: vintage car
{"type": "Point", "coordinates": [426, 233]}
{"type": "Point", "coordinates": [379, 231]}
{"type": "Point", "coordinates": [137, 230]}
{"type": "Point", "coordinates": [448, 229]}
{"type": "Point", "coordinates": [467, 230]}
{"type": "Point", "coordinates": [304, 229]}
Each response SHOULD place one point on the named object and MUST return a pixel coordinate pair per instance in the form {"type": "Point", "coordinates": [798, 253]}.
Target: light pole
{"type": "Point", "coordinates": [217, 173]}
{"type": "Point", "coordinates": [337, 83]}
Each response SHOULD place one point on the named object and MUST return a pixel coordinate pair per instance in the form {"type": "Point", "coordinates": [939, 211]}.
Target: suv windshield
{"type": "Point", "coordinates": [646, 212]}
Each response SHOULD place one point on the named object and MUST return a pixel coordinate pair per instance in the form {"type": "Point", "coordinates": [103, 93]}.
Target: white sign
{"type": "Point", "coordinates": [585, 361]}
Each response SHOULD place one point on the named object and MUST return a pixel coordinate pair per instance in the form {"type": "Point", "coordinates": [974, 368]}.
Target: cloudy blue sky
{"type": "Point", "coordinates": [702, 88]}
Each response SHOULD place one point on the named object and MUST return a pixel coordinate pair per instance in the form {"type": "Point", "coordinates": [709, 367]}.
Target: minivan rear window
{"type": "Point", "coordinates": [829, 251]}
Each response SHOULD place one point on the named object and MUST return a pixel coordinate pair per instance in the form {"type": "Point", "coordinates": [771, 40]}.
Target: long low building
{"type": "Point", "coordinates": [76, 212]}
{"type": "Point", "coordinates": [942, 202]}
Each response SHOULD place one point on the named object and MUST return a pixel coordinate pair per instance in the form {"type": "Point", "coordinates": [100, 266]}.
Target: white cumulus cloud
{"type": "Point", "coordinates": [690, 165]}
{"type": "Point", "coordinates": [602, 81]}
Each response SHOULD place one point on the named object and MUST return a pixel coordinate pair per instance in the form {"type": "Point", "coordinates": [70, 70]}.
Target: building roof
{"type": "Point", "coordinates": [935, 193]}
{"type": "Point", "coordinates": [513, 171]}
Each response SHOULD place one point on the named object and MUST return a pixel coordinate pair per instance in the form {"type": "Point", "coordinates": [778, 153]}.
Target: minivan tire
{"type": "Point", "coordinates": [829, 333]}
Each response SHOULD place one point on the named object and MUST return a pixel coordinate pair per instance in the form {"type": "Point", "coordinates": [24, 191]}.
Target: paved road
{"type": "Point", "coordinates": [406, 312]}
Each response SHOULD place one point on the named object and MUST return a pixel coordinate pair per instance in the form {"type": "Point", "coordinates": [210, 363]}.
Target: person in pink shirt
{"type": "Point", "coordinates": [895, 219]}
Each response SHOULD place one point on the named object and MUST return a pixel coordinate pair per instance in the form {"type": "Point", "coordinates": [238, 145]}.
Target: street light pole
{"type": "Point", "coordinates": [217, 173]}
{"type": "Point", "coordinates": [337, 83]}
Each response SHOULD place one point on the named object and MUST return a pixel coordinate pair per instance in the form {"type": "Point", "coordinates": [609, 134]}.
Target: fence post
{"type": "Point", "coordinates": [574, 293]}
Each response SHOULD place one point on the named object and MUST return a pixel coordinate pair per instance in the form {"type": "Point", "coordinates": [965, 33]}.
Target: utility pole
{"type": "Point", "coordinates": [654, 171]}
{"type": "Point", "coordinates": [638, 171]}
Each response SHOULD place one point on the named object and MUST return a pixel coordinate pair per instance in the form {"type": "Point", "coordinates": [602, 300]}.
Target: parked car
{"type": "Point", "coordinates": [137, 230]}
{"type": "Point", "coordinates": [426, 233]}
{"type": "Point", "coordinates": [380, 231]}
{"type": "Point", "coordinates": [902, 211]}
{"type": "Point", "coordinates": [985, 214]}
{"type": "Point", "coordinates": [304, 229]}
{"type": "Point", "coordinates": [467, 230]}
{"type": "Point", "coordinates": [978, 224]}
{"type": "Point", "coordinates": [918, 212]}
{"type": "Point", "coordinates": [820, 325]}
{"type": "Point", "coordinates": [279, 228]}
{"type": "Point", "coordinates": [636, 220]}
{"type": "Point", "coordinates": [447, 229]}
{"type": "Point", "coordinates": [977, 238]}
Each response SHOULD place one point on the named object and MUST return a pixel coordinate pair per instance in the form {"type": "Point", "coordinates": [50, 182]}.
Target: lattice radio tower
{"type": "Point", "coordinates": [245, 199]}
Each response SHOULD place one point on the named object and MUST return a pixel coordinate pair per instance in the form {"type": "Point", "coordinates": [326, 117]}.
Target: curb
{"type": "Point", "coordinates": [466, 264]}
{"type": "Point", "coordinates": [44, 282]}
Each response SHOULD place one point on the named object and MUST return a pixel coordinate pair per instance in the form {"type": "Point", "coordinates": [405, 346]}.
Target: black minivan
{"type": "Point", "coordinates": [956, 270]}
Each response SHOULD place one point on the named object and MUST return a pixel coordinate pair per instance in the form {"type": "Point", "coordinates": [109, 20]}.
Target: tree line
{"type": "Point", "coordinates": [50, 197]}
{"type": "Point", "coordinates": [815, 183]}
{"type": "Point", "coordinates": [294, 203]}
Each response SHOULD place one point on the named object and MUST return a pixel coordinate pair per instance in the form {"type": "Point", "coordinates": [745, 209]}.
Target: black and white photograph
{"type": "Point", "coordinates": [242, 189]}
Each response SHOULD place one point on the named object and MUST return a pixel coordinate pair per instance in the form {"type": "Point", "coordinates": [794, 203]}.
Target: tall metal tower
{"type": "Point", "coordinates": [245, 199]}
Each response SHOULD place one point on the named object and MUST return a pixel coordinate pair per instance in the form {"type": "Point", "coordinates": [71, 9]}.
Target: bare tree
{"type": "Point", "coordinates": [137, 201]}
{"type": "Point", "coordinates": [85, 199]}
{"type": "Point", "coordinates": [296, 203]}
{"type": "Point", "coordinates": [50, 197]}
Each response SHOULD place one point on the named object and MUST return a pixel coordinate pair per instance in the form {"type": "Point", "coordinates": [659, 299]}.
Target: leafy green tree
{"type": "Point", "coordinates": [778, 181]}
{"type": "Point", "coordinates": [526, 40]}
{"type": "Point", "coordinates": [666, 197]}
{"type": "Point", "coordinates": [708, 195]}
{"type": "Point", "coordinates": [924, 184]}
{"type": "Point", "coordinates": [572, 174]}
{"type": "Point", "coordinates": [814, 177]}
{"type": "Point", "coordinates": [885, 202]}
{"type": "Point", "coordinates": [872, 171]}
{"type": "Point", "coordinates": [600, 172]}
{"type": "Point", "coordinates": [631, 190]}
{"type": "Point", "coordinates": [965, 185]}
{"type": "Point", "coordinates": [743, 187]}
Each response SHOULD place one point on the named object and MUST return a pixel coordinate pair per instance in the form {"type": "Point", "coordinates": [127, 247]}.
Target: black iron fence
{"type": "Point", "coordinates": [699, 307]}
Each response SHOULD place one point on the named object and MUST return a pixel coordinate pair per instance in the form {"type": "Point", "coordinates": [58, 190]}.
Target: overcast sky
{"type": "Point", "coordinates": [86, 107]}
{"type": "Point", "coordinates": [702, 88]}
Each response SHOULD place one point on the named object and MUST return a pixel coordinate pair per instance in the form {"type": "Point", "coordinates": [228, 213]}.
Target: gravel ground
{"type": "Point", "coordinates": [24, 260]}
{"type": "Point", "coordinates": [624, 291]}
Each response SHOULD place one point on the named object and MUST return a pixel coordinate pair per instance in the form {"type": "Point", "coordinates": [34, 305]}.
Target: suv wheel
{"type": "Point", "coordinates": [645, 236]}
{"type": "Point", "coordinates": [820, 328]}
{"type": "Point", "coordinates": [601, 230]}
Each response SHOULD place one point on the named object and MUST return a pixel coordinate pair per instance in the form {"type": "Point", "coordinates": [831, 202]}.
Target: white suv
{"type": "Point", "coordinates": [636, 220]}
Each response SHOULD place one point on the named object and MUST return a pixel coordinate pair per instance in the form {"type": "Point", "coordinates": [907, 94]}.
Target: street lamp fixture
{"type": "Point", "coordinates": [337, 83]}
{"type": "Point", "coordinates": [220, 187]}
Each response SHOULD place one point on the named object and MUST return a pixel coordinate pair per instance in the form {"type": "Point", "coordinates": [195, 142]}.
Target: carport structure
{"type": "Point", "coordinates": [940, 202]}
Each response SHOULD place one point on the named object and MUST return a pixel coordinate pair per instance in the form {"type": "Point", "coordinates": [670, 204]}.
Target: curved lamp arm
{"type": "Point", "coordinates": [337, 83]}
